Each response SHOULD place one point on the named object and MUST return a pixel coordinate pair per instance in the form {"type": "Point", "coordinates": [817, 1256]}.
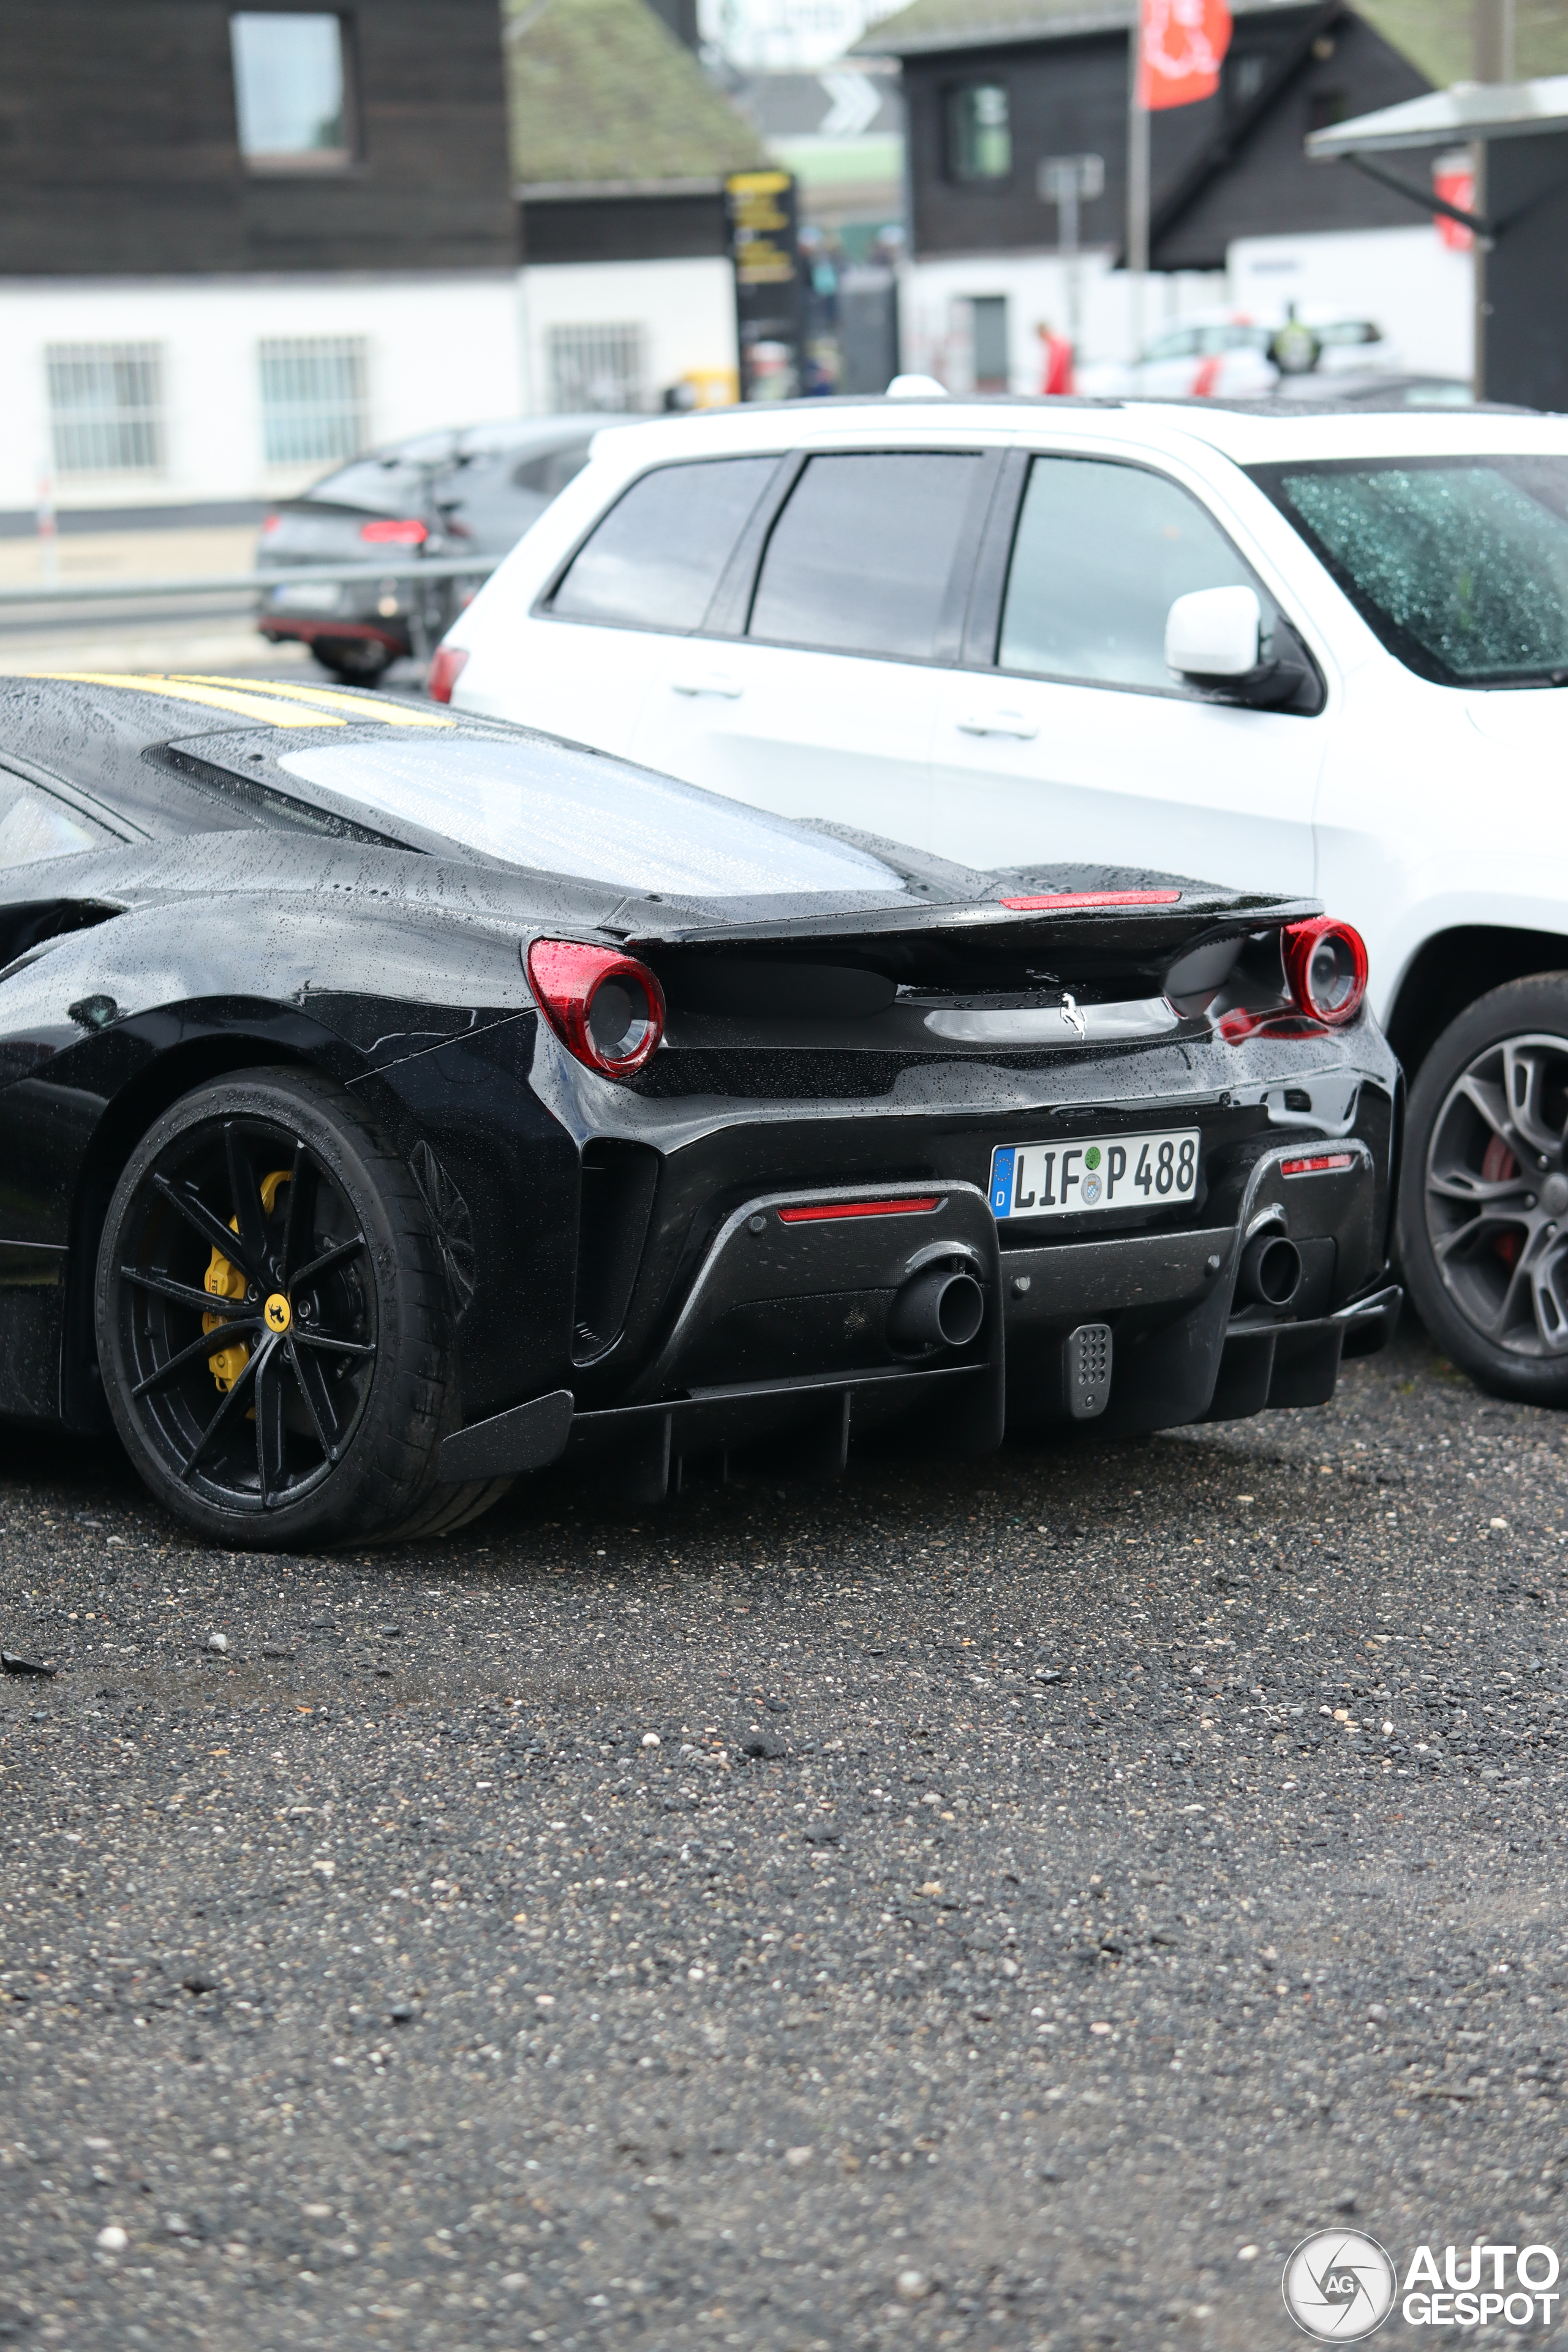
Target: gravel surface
{"type": "Point", "coordinates": [999, 1906]}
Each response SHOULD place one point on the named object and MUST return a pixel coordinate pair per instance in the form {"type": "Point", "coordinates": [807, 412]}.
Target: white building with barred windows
{"type": "Point", "coordinates": [305, 233]}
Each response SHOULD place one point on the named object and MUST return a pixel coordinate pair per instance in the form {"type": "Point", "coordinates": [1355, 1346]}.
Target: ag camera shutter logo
{"type": "Point", "coordinates": [1340, 2286]}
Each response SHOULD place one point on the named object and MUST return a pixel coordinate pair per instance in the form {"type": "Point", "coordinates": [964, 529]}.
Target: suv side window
{"type": "Point", "coordinates": [1100, 554]}
{"type": "Point", "coordinates": [863, 555]}
{"type": "Point", "coordinates": [657, 556]}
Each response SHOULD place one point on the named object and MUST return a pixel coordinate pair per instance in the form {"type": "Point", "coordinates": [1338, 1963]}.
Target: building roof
{"type": "Point", "coordinates": [1435, 34]}
{"type": "Point", "coordinates": [1514, 110]}
{"type": "Point", "coordinates": [987, 24]}
{"type": "Point", "coordinates": [603, 97]}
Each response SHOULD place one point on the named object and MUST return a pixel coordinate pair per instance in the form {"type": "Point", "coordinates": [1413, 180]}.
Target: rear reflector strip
{"type": "Point", "coordinates": [1058, 901]}
{"type": "Point", "coordinates": [815, 1211]}
{"type": "Point", "coordinates": [1318, 1166]}
{"type": "Point", "coordinates": [1236, 1027]}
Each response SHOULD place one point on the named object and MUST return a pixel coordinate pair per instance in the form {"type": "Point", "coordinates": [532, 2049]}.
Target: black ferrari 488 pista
{"type": "Point", "coordinates": [393, 1102]}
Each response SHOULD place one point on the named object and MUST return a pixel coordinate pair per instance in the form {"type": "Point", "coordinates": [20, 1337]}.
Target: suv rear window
{"type": "Point", "coordinates": [861, 558]}
{"type": "Point", "coordinates": [1460, 565]}
{"type": "Point", "coordinates": [656, 558]}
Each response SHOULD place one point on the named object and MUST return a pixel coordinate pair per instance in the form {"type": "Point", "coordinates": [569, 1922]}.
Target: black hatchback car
{"type": "Point", "coordinates": [438, 494]}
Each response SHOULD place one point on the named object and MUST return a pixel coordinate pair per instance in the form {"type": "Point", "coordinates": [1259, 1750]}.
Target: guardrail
{"type": "Point", "coordinates": [77, 591]}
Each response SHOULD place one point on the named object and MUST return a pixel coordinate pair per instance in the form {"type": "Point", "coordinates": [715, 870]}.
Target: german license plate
{"type": "Point", "coordinates": [1099, 1173]}
{"type": "Point", "coordinates": [308, 597]}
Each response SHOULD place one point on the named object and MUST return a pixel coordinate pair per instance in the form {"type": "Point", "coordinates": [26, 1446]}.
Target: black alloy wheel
{"type": "Point", "coordinates": [1483, 1222]}
{"type": "Point", "coordinates": [273, 1324]}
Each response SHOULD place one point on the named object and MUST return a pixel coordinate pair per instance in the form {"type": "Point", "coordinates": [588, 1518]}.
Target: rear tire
{"type": "Point", "coordinates": [359, 661]}
{"type": "Point", "coordinates": [1483, 1205]}
{"type": "Point", "coordinates": [274, 1330]}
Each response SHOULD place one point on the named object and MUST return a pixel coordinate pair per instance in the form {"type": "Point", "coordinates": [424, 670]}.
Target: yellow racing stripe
{"type": "Point", "coordinates": [326, 698]}
{"type": "Point", "coordinates": [256, 704]}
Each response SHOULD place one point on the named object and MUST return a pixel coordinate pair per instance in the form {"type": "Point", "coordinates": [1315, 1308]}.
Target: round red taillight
{"type": "Point", "coordinates": [1325, 964]}
{"type": "Point", "coordinates": [606, 1009]}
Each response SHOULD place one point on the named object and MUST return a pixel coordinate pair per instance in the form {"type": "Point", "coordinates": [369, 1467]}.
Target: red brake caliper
{"type": "Point", "coordinates": [1498, 1166]}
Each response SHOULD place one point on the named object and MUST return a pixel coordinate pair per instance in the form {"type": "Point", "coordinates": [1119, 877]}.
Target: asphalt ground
{"type": "Point", "coordinates": [218, 637]}
{"type": "Point", "coordinates": [992, 1907]}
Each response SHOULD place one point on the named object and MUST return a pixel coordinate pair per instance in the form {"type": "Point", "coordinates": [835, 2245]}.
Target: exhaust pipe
{"type": "Point", "coordinates": [941, 1307]}
{"type": "Point", "coordinates": [1271, 1270]}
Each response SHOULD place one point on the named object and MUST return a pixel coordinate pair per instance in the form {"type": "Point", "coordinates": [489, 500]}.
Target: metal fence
{"type": "Point", "coordinates": [424, 622]}
{"type": "Point", "coordinates": [259, 583]}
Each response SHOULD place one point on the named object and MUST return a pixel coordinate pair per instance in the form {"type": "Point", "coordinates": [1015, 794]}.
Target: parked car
{"type": "Point", "coordinates": [1219, 355]}
{"type": "Point", "coordinates": [1319, 653]}
{"type": "Point", "coordinates": [393, 1103]}
{"type": "Point", "coordinates": [1371, 390]}
{"type": "Point", "coordinates": [441, 494]}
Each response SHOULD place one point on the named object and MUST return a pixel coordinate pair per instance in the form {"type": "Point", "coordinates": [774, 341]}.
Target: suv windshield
{"type": "Point", "coordinates": [1460, 564]}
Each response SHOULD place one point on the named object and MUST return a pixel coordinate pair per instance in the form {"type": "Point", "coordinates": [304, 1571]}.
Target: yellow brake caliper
{"type": "Point", "coordinates": [224, 1280]}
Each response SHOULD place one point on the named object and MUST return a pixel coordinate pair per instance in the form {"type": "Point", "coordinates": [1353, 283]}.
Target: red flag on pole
{"type": "Point", "coordinates": [1183, 44]}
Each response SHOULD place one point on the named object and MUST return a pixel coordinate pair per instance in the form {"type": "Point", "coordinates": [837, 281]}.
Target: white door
{"type": "Point", "coordinates": [582, 666]}
{"type": "Point", "coordinates": [1078, 747]}
{"type": "Point", "coordinates": [804, 734]}
{"type": "Point", "coordinates": [824, 707]}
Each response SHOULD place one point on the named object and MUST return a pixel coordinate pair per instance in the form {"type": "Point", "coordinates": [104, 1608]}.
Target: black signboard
{"type": "Point", "coordinates": [761, 212]}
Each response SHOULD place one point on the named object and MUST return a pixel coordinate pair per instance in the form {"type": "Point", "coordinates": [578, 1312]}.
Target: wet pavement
{"type": "Point", "coordinates": [999, 1905]}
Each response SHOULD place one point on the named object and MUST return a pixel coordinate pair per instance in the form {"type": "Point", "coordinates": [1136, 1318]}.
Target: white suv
{"type": "Point", "coordinates": [1308, 651]}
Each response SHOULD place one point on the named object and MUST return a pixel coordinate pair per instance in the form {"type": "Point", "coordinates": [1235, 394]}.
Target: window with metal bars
{"type": "Point", "coordinates": [106, 407]}
{"type": "Point", "coordinates": [314, 399]}
{"type": "Point", "coordinates": [596, 368]}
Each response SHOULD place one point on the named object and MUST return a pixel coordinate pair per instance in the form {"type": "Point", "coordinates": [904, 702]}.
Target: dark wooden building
{"type": "Point", "coordinates": [155, 138]}
{"type": "Point", "coordinates": [620, 143]}
{"type": "Point", "coordinates": [241, 240]}
{"type": "Point", "coordinates": [991, 91]}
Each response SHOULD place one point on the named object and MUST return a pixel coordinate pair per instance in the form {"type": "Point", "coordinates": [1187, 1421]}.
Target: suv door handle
{"type": "Point", "coordinates": [999, 722]}
{"type": "Point", "coordinates": [714, 681]}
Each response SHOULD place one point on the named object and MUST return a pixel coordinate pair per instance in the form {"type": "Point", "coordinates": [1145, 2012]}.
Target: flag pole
{"type": "Point", "coordinates": [1137, 175]}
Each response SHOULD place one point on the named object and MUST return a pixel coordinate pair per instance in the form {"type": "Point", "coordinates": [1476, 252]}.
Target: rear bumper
{"type": "Point", "coordinates": [278, 627]}
{"type": "Point", "coordinates": [1274, 1366]}
{"type": "Point", "coordinates": [781, 1336]}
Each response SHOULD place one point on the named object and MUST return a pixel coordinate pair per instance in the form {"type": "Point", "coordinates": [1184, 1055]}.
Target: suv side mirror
{"type": "Point", "coordinates": [1213, 634]}
{"type": "Point", "coordinates": [1214, 639]}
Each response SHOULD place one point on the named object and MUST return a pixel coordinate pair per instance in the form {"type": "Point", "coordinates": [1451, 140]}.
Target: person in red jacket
{"type": "Point", "coordinates": [1055, 358]}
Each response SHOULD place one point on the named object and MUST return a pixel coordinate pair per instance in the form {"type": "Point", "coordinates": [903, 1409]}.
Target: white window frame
{"type": "Point", "coordinates": [271, 161]}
